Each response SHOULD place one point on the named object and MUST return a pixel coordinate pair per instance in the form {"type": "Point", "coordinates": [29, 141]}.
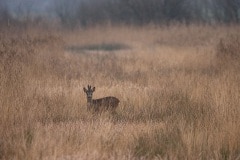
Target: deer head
{"type": "Point", "coordinates": [89, 92]}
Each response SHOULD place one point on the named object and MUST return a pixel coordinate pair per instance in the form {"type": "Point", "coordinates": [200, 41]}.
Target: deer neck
{"type": "Point", "coordinates": [89, 100]}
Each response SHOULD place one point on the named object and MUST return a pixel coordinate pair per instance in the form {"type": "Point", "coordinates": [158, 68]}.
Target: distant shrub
{"type": "Point", "coordinates": [99, 47]}
{"type": "Point", "coordinates": [228, 52]}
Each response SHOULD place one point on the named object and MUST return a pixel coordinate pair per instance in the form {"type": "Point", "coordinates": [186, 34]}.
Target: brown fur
{"type": "Point", "coordinates": [103, 104]}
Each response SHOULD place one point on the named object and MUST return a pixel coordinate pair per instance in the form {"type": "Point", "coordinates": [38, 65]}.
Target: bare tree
{"type": "Point", "coordinates": [5, 16]}
{"type": "Point", "coordinates": [231, 10]}
{"type": "Point", "coordinates": [66, 11]}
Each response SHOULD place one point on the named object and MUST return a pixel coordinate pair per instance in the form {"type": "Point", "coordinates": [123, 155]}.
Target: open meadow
{"type": "Point", "coordinates": [178, 86]}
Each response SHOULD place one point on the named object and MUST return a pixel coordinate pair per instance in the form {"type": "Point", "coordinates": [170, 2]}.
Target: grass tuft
{"type": "Point", "coordinates": [228, 52]}
{"type": "Point", "coordinates": [162, 144]}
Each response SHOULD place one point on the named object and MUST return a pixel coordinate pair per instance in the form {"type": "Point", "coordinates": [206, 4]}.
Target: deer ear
{"type": "Point", "coordinates": [93, 89]}
{"type": "Point", "coordinates": [84, 89]}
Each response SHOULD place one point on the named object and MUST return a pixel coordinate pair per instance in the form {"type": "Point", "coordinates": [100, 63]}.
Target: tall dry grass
{"type": "Point", "coordinates": [179, 93]}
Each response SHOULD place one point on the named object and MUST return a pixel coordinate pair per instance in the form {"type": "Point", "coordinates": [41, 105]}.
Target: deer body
{"type": "Point", "coordinates": [102, 104]}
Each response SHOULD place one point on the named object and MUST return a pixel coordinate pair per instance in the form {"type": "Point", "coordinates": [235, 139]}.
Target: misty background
{"type": "Point", "coordinates": [75, 13]}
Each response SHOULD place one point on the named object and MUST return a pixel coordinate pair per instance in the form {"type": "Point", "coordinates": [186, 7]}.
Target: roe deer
{"type": "Point", "coordinates": [102, 104]}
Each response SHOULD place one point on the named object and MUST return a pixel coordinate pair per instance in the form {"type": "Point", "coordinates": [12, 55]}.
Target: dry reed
{"type": "Point", "coordinates": [176, 101]}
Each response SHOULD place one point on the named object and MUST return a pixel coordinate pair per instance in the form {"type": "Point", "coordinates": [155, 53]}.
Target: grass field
{"type": "Point", "coordinates": [178, 86]}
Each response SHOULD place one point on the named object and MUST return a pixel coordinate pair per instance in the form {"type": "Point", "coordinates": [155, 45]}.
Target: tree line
{"type": "Point", "coordinates": [138, 12]}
